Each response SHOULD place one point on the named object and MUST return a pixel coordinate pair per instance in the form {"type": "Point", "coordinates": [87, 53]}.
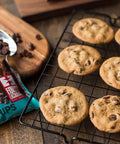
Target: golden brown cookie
{"type": "Point", "coordinates": [93, 30]}
{"type": "Point", "coordinates": [117, 36]}
{"type": "Point", "coordinates": [105, 113]}
{"type": "Point", "coordinates": [64, 105]}
{"type": "Point", "coordinates": [110, 72]}
{"type": "Point", "coordinates": [79, 59]}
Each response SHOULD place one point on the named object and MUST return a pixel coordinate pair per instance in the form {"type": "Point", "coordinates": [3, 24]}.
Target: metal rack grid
{"type": "Point", "coordinates": [91, 85]}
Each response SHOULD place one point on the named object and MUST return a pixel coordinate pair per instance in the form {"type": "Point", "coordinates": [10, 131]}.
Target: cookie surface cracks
{"type": "Point", "coordinates": [110, 72]}
{"type": "Point", "coordinates": [105, 113]}
{"type": "Point", "coordinates": [93, 30]}
{"type": "Point", "coordinates": [64, 105]}
{"type": "Point", "coordinates": [79, 59]}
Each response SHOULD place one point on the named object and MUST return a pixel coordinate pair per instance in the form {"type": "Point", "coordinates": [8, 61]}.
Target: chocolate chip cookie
{"type": "Point", "coordinates": [117, 36]}
{"type": "Point", "coordinates": [79, 59]}
{"type": "Point", "coordinates": [64, 105]}
{"type": "Point", "coordinates": [105, 113]}
{"type": "Point", "coordinates": [110, 72]}
{"type": "Point", "coordinates": [93, 30]}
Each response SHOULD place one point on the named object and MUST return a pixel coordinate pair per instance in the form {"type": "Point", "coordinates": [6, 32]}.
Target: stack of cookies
{"type": "Point", "coordinates": [67, 105]}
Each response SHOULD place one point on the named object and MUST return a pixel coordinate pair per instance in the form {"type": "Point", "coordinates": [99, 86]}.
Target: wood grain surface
{"type": "Point", "coordinates": [24, 65]}
{"type": "Point", "coordinates": [31, 10]}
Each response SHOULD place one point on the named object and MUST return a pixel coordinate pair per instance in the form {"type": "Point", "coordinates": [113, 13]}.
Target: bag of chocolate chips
{"type": "Point", "coordinates": [13, 94]}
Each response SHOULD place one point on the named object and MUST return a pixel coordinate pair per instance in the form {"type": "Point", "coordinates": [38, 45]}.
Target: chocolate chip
{"type": "Point", "coordinates": [97, 62]}
{"type": "Point", "coordinates": [88, 63]}
{"type": "Point", "coordinates": [82, 28]}
{"type": "Point", "coordinates": [63, 91]}
{"type": "Point", "coordinates": [14, 36]}
{"type": "Point", "coordinates": [17, 38]}
{"type": "Point", "coordinates": [107, 101]}
{"type": "Point", "coordinates": [77, 62]}
{"type": "Point", "coordinates": [1, 99]}
{"type": "Point", "coordinates": [112, 117]}
{"type": "Point", "coordinates": [74, 108]}
{"type": "Point", "coordinates": [67, 94]}
{"type": "Point", "coordinates": [116, 101]}
{"type": "Point", "coordinates": [75, 51]}
{"type": "Point", "coordinates": [20, 54]}
{"type": "Point", "coordinates": [1, 40]}
{"type": "Point", "coordinates": [31, 46]}
{"type": "Point", "coordinates": [5, 44]}
{"type": "Point", "coordinates": [118, 62]}
{"type": "Point", "coordinates": [48, 93]}
{"type": "Point", "coordinates": [1, 71]}
{"type": "Point", "coordinates": [118, 114]}
{"type": "Point", "coordinates": [51, 93]}
{"type": "Point", "coordinates": [6, 101]}
{"type": "Point", "coordinates": [79, 70]}
{"type": "Point", "coordinates": [93, 59]}
{"type": "Point", "coordinates": [1, 45]}
{"type": "Point", "coordinates": [92, 114]}
{"type": "Point", "coordinates": [25, 53]}
{"type": "Point", "coordinates": [30, 55]}
{"type": "Point", "coordinates": [113, 127]}
{"type": "Point", "coordinates": [106, 97]}
{"type": "Point", "coordinates": [94, 23]}
{"type": "Point", "coordinates": [5, 50]}
{"type": "Point", "coordinates": [46, 101]}
{"type": "Point", "coordinates": [18, 35]}
{"type": "Point", "coordinates": [38, 37]}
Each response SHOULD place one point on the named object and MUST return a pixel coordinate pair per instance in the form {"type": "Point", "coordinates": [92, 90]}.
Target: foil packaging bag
{"type": "Point", "coordinates": [13, 94]}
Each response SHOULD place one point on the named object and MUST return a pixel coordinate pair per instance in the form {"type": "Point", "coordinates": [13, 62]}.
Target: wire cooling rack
{"type": "Point", "coordinates": [91, 85]}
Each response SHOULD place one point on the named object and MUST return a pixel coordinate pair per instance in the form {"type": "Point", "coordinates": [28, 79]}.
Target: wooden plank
{"type": "Point", "coordinates": [24, 65]}
{"type": "Point", "coordinates": [31, 10]}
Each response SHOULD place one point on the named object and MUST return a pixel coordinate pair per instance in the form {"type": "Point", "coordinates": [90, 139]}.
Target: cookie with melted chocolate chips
{"type": "Point", "coordinates": [110, 72]}
{"type": "Point", "coordinates": [93, 30]}
{"type": "Point", "coordinates": [64, 105]}
{"type": "Point", "coordinates": [105, 113]}
{"type": "Point", "coordinates": [79, 59]}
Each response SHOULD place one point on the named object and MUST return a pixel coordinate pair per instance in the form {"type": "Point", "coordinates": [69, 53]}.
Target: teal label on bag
{"type": "Point", "coordinates": [12, 101]}
{"type": "Point", "coordinates": [7, 109]}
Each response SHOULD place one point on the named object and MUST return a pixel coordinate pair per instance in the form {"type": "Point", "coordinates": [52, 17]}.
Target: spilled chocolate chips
{"type": "Point", "coordinates": [26, 53]}
{"type": "Point", "coordinates": [4, 48]}
{"type": "Point", "coordinates": [17, 38]}
{"type": "Point", "coordinates": [31, 46]}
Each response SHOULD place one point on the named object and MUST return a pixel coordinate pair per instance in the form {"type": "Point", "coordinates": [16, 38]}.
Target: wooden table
{"type": "Point", "coordinates": [12, 132]}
